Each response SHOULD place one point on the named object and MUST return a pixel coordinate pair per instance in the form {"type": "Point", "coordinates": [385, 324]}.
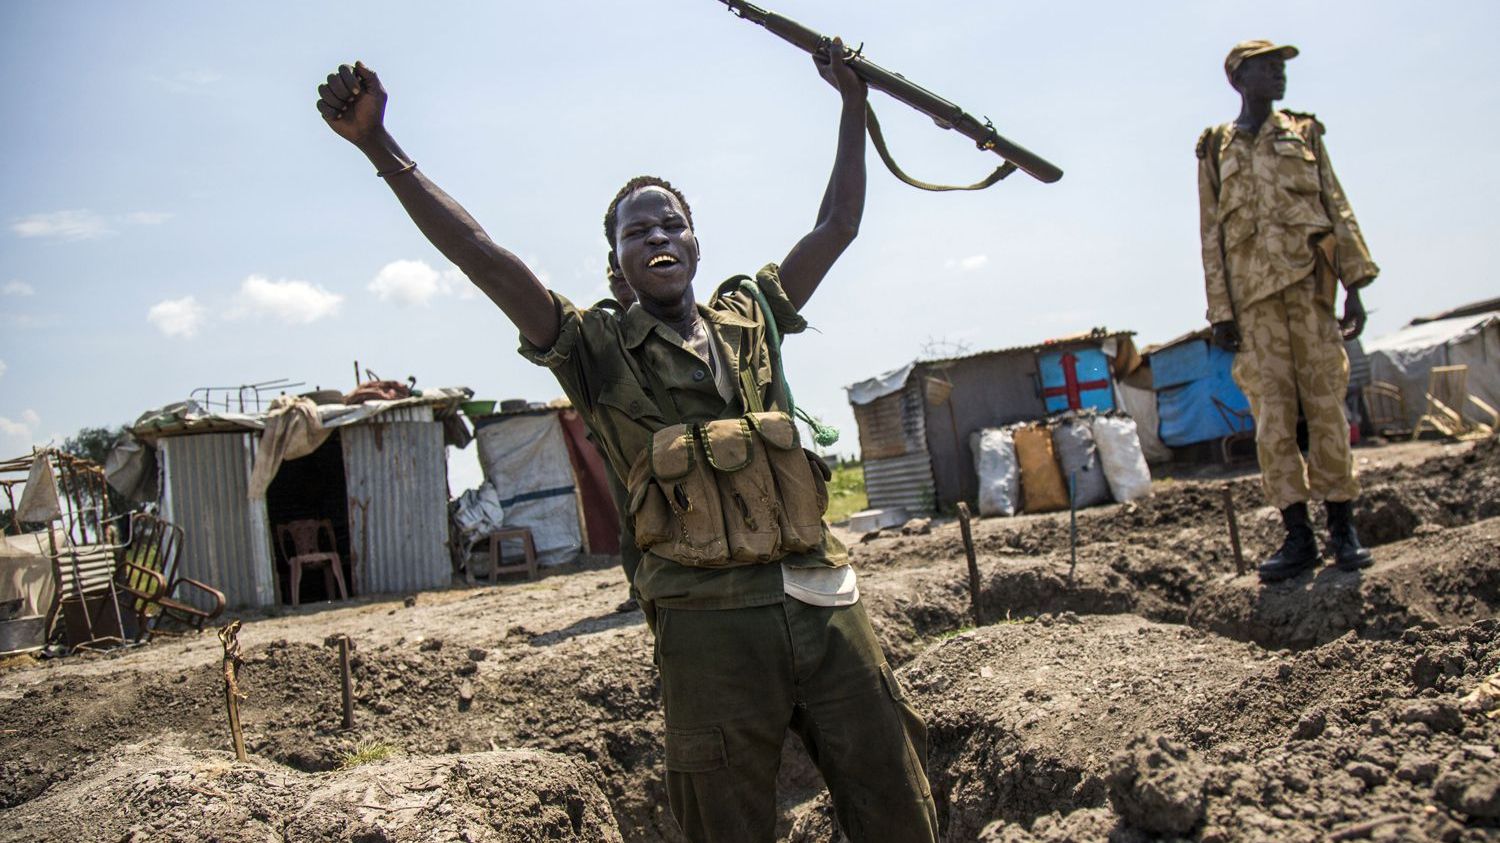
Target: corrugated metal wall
{"type": "Point", "coordinates": [901, 473]}
{"type": "Point", "coordinates": [398, 502]}
{"type": "Point", "coordinates": [226, 540]}
{"type": "Point", "coordinates": [988, 391]}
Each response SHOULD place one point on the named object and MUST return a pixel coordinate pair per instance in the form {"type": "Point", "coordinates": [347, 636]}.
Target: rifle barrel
{"type": "Point", "coordinates": [944, 113]}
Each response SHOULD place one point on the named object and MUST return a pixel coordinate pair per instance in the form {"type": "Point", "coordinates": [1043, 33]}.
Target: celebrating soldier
{"type": "Point", "coordinates": [1278, 237]}
{"type": "Point", "coordinates": [759, 629]}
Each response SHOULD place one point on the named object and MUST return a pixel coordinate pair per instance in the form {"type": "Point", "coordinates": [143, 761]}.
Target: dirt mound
{"type": "Point", "coordinates": [1023, 718]}
{"type": "Point", "coordinates": [165, 792]}
{"type": "Point", "coordinates": [1440, 577]}
{"type": "Point", "coordinates": [1389, 740]}
{"type": "Point", "coordinates": [1156, 785]}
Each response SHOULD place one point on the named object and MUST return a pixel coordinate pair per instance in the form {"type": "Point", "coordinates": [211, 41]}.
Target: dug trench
{"type": "Point", "coordinates": [1150, 686]}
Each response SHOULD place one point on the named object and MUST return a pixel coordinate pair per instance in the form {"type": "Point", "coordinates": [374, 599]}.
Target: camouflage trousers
{"type": "Point", "coordinates": [1292, 354]}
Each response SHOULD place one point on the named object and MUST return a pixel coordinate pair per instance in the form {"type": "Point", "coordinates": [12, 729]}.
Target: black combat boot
{"type": "Point", "coordinates": [1343, 541]}
{"type": "Point", "coordinates": [1300, 550]}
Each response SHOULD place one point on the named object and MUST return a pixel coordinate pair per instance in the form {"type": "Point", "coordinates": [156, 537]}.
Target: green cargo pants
{"type": "Point", "coordinates": [735, 680]}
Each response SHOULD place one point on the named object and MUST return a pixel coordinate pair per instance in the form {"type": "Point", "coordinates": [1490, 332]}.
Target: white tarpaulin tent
{"type": "Point", "coordinates": [1405, 357]}
{"type": "Point", "coordinates": [525, 457]}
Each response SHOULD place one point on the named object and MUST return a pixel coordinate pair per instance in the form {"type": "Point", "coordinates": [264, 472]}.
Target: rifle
{"type": "Point", "coordinates": [944, 113]}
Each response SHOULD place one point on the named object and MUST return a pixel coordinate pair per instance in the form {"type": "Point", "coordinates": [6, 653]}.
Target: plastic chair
{"type": "Point", "coordinates": [306, 553]}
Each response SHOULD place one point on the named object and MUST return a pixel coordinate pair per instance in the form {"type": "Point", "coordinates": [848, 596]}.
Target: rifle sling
{"type": "Point", "coordinates": [873, 126]}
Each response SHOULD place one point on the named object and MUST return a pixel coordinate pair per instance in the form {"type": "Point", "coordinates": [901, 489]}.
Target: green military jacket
{"type": "Point", "coordinates": [1264, 198]}
{"type": "Point", "coordinates": [598, 359]}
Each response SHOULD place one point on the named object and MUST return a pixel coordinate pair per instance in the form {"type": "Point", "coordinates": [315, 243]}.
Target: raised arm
{"type": "Point", "coordinates": [352, 102]}
{"type": "Point", "coordinates": [844, 199]}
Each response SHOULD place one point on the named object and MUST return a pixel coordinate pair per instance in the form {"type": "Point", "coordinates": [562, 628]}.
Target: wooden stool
{"type": "Point", "coordinates": [529, 566]}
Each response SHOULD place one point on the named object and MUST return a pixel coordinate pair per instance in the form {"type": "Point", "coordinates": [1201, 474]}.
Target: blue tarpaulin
{"type": "Point", "coordinates": [1196, 398]}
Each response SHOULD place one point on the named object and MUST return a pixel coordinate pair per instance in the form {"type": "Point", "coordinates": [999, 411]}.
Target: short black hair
{"type": "Point", "coordinates": [612, 216]}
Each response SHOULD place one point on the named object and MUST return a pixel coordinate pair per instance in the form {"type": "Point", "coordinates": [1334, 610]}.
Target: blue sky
{"type": "Point", "coordinates": [176, 215]}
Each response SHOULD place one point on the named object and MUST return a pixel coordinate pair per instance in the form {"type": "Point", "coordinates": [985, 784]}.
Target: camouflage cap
{"type": "Point", "coordinates": [1250, 49]}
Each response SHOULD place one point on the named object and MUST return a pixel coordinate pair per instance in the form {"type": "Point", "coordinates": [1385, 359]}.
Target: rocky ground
{"type": "Point", "coordinates": [1145, 692]}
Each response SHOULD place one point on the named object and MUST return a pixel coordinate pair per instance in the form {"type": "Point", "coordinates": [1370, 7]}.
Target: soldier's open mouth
{"type": "Point", "coordinates": [661, 261]}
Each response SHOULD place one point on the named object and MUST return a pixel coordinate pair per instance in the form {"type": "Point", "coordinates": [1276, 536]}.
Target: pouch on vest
{"type": "Point", "coordinates": [687, 482]}
{"type": "Point", "coordinates": [650, 517]}
{"type": "Point", "coordinates": [800, 482]}
{"type": "Point", "coordinates": [747, 491]}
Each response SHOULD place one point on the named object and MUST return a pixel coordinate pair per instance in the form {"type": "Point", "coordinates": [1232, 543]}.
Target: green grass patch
{"type": "Point", "coordinates": [366, 753]}
{"type": "Point", "coordinates": [846, 492]}
{"type": "Point", "coordinates": [954, 633]}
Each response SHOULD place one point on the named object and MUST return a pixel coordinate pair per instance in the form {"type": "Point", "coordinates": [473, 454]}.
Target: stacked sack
{"type": "Point", "coordinates": [1030, 467]}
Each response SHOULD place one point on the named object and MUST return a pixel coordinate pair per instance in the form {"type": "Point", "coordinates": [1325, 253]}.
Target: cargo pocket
{"type": "Point", "coordinates": [691, 493]}
{"type": "Point", "coordinates": [695, 750]}
{"type": "Point", "coordinates": [747, 492]}
{"type": "Point", "coordinates": [650, 517]}
{"type": "Point", "coordinates": [801, 489]}
{"type": "Point", "coordinates": [1297, 165]}
{"type": "Point", "coordinates": [913, 727]}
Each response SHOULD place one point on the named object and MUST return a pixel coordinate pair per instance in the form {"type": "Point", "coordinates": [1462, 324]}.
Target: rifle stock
{"type": "Point", "coordinates": [944, 113]}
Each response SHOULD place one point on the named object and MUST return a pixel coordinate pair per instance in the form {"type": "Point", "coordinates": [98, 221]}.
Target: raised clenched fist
{"type": "Point", "coordinates": [352, 102]}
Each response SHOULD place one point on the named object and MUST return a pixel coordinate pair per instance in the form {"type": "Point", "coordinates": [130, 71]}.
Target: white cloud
{"type": "Point", "coordinates": [13, 428]}
{"type": "Point", "coordinates": [147, 217]}
{"type": "Point", "coordinates": [17, 288]}
{"type": "Point", "coordinates": [177, 317]}
{"type": "Point", "coordinates": [3, 367]}
{"type": "Point", "coordinates": [82, 224]}
{"type": "Point", "coordinates": [967, 264]}
{"type": "Point", "coordinates": [409, 283]}
{"type": "Point", "coordinates": [64, 225]}
{"type": "Point", "coordinates": [30, 417]}
{"type": "Point", "coordinates": [288, 301]}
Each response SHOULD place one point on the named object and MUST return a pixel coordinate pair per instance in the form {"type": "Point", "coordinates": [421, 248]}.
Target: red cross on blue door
{"type": "Point", "coordinates": [1074, 380]}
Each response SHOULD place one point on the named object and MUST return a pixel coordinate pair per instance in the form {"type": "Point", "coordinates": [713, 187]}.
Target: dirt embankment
{"type": "Point", "coordinates": [1093, 709]}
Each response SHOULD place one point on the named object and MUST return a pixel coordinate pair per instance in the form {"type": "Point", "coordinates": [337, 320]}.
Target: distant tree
{"type": "Point", "coordinates": [94, 443]}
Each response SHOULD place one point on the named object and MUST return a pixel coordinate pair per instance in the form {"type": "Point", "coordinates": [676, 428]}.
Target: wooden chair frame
{"type": "Point", "coordinates": [1447, 399]}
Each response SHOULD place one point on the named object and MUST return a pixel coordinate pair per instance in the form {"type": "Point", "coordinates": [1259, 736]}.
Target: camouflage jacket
{"type": "Point", "coordinates": [1264, 199]}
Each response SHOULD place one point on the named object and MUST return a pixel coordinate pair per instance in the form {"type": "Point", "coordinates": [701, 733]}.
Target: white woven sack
{"type": "Point", "coordinates": [1120, 450]}
{"type": "Point", "coordinates": [998, 469]}
{"type": "Point", "coordinates": [1073, 438]}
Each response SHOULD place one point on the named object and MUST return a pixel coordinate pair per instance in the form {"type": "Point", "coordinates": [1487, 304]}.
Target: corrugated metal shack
{"type": "Point", "coordinates": [914, 422]}
{"type": "Point", "coordinates": [381, 479]}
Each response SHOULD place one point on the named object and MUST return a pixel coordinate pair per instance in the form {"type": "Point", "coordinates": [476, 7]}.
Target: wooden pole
{"type": "Point", "coordinates": [348, 681]}
{"type": "Point", "coordinates": [229, 637]}
{"type": "Point", "coordinates": [1072, 526]}
{"type": "Point", "coordinates": [1234, 531]}
{"type": "Point", "coordinates": [963, 525]}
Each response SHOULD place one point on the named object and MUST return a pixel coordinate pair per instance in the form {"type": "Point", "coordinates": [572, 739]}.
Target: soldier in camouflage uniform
{"type": "Point", "coordinates": [1278, 237]}
{"type": "Point", "coordinates": [747, 651]}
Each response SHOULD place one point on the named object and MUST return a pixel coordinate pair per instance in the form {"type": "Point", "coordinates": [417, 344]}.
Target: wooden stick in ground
{"type": "Point", "coordinates": [348, 680]}
{"type": "Point", "coordinates": [229, 636]}
{"type": "Point", "coordinates": [1234, 531]}
{"type": "Point", "coordinates": [1072, 526]}
{"type": "Point", "coordinates": [963, 526]}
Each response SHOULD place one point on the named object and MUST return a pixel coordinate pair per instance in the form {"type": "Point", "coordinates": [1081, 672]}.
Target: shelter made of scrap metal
{"type": "Point", "coordinates": [914, 422]}
{"type": "Point", "coordinates": [380, 479]}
